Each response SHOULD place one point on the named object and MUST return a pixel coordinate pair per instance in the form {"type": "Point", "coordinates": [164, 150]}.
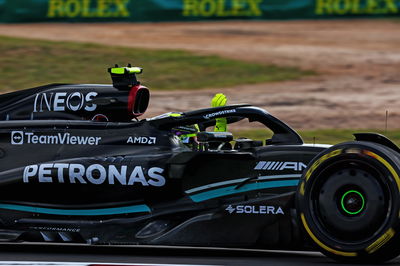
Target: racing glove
{"type": "Point", "coordinates": [220, 123]}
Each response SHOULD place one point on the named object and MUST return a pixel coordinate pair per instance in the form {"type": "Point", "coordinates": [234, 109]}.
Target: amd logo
{"type": "Point", "coordinates": [142, 140]}
{"type": "Point", "coordinates": [64, 101]}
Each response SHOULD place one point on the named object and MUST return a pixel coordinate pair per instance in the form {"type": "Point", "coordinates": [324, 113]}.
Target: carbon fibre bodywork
{"type": "Point", "coordinates": [78, 180]}
{"type": "Point", "coordinates": [78, 166]}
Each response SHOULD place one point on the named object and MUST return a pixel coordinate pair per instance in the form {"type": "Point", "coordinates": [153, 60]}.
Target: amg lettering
{"type": "Point", "coordinates": [280, 166]}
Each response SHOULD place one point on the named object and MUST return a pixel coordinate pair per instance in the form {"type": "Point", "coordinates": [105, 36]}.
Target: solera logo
{"type": "Point", "coordinates": [17, 138]}
{"type": "Point", "coordinates": [251, 209]}
{"type": "Point", "coordinates": [63, 101]}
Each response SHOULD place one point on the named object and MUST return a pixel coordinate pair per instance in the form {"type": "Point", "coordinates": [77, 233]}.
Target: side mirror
{"type": "Point", "coordinates": [214, 137]}
{"type": "Point", "coordinates": [214, 140]}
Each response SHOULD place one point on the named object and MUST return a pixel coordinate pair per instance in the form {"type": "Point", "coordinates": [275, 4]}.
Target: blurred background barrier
{"type": "Point", "coordinates": [189, 10]}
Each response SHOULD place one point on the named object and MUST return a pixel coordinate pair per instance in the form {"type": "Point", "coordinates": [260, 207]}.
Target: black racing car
{"type": "Point", "coordinates": [78, 166]}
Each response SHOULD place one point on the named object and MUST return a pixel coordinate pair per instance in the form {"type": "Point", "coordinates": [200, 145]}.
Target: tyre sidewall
{"type": "Point", "coordinates": [384, 159]}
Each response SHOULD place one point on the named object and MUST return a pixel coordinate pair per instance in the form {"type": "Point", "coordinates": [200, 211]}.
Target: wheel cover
{"type": "Point", "coordinates": [352, 202]}
{"type": "Point", "coordinates": [349, 202]}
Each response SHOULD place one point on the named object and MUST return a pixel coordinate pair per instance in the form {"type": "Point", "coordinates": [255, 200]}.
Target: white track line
{"type": "Point", "coordinates": [50, 263]}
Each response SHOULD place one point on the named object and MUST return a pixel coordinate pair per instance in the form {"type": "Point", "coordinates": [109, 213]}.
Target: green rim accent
{"type": "Point", "coordinates": [344, 208]}
{"type": "Point", "coordinates": [130, 70]}
{"type": "Point", "coordinates": [174, 114]}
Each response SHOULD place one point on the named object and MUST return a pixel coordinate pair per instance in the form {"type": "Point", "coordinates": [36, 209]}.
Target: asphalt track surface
{"type": "Point", "coordinates": [153, 256]}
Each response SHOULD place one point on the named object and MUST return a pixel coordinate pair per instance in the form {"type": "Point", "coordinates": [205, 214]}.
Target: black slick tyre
{"type": "Point", "coordinates": [348, 202]}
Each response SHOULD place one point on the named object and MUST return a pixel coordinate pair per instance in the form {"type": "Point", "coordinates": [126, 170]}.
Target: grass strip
{"type": "Point", "coordinates": [27, 63]}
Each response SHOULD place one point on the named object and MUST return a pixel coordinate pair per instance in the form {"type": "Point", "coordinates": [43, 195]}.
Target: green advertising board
{"type": "Point", "coordinates": [189, 10]}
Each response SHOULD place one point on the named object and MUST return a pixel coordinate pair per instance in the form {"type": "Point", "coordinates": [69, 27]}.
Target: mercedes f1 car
{"type": "Point", "coordinates": [77, 165]}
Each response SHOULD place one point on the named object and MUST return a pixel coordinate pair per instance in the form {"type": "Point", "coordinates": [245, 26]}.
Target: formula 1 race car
{"type": "Point", "coordinates": [77, 165]}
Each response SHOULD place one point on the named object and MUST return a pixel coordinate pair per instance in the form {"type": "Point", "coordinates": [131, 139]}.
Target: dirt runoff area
{"type": "Point", "coordinates": [358, 62]}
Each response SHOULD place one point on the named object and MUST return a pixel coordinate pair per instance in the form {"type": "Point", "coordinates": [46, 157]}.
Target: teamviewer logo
{"type": "Point", "coordinates": [17, 138]}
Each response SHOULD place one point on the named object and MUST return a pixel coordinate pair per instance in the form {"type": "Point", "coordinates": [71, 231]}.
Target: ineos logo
{"type": "Point", "coordinates": [17, 137]}
{"type": "Point", "coordinates": [62, 101]}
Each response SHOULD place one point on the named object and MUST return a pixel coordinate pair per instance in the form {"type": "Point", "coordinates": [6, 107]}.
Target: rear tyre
{"type": "Point", "coordinates": [348, 202]}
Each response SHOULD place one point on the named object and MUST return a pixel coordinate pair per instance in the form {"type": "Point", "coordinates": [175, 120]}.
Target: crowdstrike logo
{"type": "Point", "coordinates": [20, 137]}
{"type": "Point", "coordinates": [208, 116]}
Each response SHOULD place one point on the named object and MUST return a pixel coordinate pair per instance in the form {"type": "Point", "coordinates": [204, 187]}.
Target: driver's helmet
{"type": "Point", "coordinates": [187, 134]}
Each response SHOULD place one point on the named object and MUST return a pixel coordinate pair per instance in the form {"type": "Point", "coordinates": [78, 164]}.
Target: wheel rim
{"type": "Point", "coordinates": [351, 202]}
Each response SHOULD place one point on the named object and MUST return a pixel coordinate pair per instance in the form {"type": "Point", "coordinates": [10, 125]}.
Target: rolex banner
{"type": "Point", "coordinates": [189, 10]}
